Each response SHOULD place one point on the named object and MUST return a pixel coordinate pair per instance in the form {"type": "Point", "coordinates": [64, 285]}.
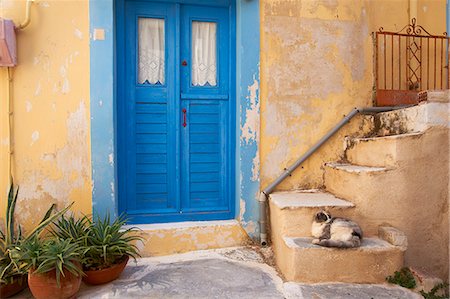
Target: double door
{"type": "Point", "coordinates": [175, 114]}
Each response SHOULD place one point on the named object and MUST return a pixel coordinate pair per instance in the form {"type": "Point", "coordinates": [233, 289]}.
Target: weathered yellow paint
{"type": "Point", "coordinates": [431, 14]}
{"type": "Point", "coordinates": [316, 65]}
{"type": "Point", "coordinates": [161, 239]}
{"type": "Point", "coordinates": [51, 109]}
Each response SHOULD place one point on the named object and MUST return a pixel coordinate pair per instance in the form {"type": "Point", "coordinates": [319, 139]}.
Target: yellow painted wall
{"type": "Point", "coordinates": [51, 108]}
{"type": "Point", "coordinates": [431, 14]}
{"type": "Point", "coordinates": [316, 65]}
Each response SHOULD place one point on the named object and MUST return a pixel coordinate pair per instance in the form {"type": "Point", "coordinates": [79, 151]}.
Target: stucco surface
{"type": "Point", "coordinates": [316, 65]}
{"type": "Point", "coordinates": [412, 196]}
{"type": "Point", "coordinates": [51, 108]}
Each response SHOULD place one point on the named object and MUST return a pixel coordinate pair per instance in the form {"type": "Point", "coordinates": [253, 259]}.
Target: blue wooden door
{"type": "Point", "coordinates": [175, 112]}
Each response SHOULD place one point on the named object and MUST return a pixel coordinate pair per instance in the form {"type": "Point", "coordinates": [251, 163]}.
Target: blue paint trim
{"type": "Point", "coordinates": [102, 108]}
{"type": "Point", "coordinates": [247, 72]}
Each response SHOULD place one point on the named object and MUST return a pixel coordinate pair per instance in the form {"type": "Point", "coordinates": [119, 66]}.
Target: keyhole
{"type": "Point", "coordinates": [184, 63]}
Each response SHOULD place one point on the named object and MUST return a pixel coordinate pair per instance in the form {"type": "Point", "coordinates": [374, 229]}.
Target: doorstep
{"type": "Point", "coordinates": [178, 237]}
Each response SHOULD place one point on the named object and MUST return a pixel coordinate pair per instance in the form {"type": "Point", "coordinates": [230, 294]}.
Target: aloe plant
{"type": "Point", "coordinates": [108, 244]}
{"type": "Point", "coordinates": [42, 256]}
{"type": "Point", "coordinates": [71, 228]}
{"type": "Point", "coordinates": [10, 266]}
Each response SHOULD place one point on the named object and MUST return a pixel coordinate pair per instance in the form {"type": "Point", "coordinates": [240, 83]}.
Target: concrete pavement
{"type": "Point", "coordinates": [222, 273]}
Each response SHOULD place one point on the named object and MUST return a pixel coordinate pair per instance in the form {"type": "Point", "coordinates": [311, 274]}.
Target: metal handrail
{"type": "Point", "coordinates": [288, 171]}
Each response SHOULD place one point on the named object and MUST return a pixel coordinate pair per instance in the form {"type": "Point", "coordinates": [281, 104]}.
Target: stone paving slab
{"type": "Point", "coordinates": [347, 291]}
{"type": "Point", "coordinates": [222, 273]}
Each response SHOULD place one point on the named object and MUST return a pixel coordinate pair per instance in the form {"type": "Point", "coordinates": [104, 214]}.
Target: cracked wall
{"type": "Point", "coordinates": [316, 65]}
{"type": "Point", "coordinates": [51, 137]}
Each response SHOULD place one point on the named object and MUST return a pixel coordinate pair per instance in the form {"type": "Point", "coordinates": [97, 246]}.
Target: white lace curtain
{"type": "Point", "coordinates": [151, 51]}
{"type": "Point", "coordinates": [204, 70]}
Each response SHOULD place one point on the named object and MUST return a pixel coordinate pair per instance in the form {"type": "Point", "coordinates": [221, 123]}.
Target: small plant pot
{"type": "Point", "coordinates": [44, 286]}
{"type": "Point", "coordinates": [18, 284]}
{"type": "Point", "coordinates": [105, 275]}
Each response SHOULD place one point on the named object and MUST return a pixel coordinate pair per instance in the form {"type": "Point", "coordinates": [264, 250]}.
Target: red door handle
{"type": "Point", "coordinates": [184, 117]}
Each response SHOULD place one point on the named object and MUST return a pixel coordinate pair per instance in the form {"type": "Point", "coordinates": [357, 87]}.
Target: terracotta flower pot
{"type": "Point", "coordinates": [44, 286]}
{"type": "Point", "coordinates": [19, 283]}
{"type": "Point", "coordinates": [105, 275]}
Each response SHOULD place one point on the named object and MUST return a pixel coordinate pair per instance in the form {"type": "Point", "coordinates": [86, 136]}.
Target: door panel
{"type": "Point", "coordinates": [151, 140]}
{"type": "Point", "coordinates": [204, 156]}
{"type": "Point", "coordinates": [175, 123]}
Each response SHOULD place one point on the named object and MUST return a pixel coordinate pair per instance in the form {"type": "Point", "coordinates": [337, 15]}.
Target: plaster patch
{"type": "Point", "coordinates": [78, 33]}
{"type": "Point", "coordinates": [111, 159]}
{"type": "Point", "coordinates": [44, 4]}
{"type": "Point", "coordinates": [28, 106]}
{"type": "Point", "coordinates": [251, 227]}
{"type": "Point", "coordinates": [65, 87]}
{"type": "Point", "coordinates": [42, 60]}
{"type": "Point", "coordinates": [34, 137]}
{"type": "Point", "coordinates": [255, 167]}
{"type": "Point", "coordinates": [55, 88]}
{"type": "Point", "coordinates": [4, 141]}
{"type": "Point", "coordinates": [241, 210]}
{"type": "Point", "coordinates": [71, 162]}
{"type": "Point", "coordinates": [38, 90]}
{"type": "Point", "coordinates": [250, 129]}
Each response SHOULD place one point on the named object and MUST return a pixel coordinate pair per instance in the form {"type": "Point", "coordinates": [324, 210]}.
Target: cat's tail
{"type": "Point", "coordinates": [354, 242]}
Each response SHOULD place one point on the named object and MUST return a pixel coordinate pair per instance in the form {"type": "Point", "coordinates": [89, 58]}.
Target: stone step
{"type": "Point", "coordinates": [291, 212]}
{"type": "Point", "coordinates": [301, 261]}
{"type": "Point", "coordinates": [171, 238]}
{"type": "Point", "coordinates": [382, 151]}
{"type": "Point", "coordinates": [375, 191]}
{"type": "Point", "coordinates": [415, 119]}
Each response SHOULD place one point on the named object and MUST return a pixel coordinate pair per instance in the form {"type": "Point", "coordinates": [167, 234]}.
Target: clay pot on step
{"type": "Point", "coordinates": [44, 286]}
{"type": "Point", "coordinates": [19, 283]}
{"type": "Point", "coordinates": [105, 275]}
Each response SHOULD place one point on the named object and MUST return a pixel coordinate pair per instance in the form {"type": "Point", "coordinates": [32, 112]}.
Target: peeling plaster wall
{"type": "Point", "coordinates": [248, 112]}
{"type": "Point", "coordinates": [104, 198]}
{"type": "Point", "coordinates": [316, 65]}
{"type": "Point", "coordinates": [51, 109]}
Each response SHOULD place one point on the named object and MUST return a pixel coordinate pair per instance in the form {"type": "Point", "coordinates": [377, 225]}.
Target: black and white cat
{"type": "Point", "coordinates": [335, 232]}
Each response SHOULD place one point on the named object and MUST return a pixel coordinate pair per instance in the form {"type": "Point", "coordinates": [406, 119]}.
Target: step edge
{"type": "Point", "coordinates": [182, 225]}
{"type": "Point", "coordinates": [340, 203]}
{"type": "Point", "coordinates": [363, 169]}
{"type": "Point", "coordinates": [289, 242]}
{"type": "Point", "coordinates": [387, 137]}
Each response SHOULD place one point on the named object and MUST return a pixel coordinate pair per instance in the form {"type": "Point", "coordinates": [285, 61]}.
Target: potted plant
{"type": "Point", "coordinates": [13, 277]}
{"type": "Point", "coordinates": [106, 246]}
{"type": "Point", "coordinates": [54, 267]}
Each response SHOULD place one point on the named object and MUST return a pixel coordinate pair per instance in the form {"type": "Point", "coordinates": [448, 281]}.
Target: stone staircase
{"type": "Point", "coordinates": [291, 214]}
{"type": "Point", "coordinates": [375, 187]}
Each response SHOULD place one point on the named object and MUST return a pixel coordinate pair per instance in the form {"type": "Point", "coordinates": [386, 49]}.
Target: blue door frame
{"type": "Point", "coordinates": [103, 99]}
{"type": "Point", "coordinates": [178, 177]}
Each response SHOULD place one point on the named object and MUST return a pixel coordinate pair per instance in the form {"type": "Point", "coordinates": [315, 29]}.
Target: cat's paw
{"type": "Point", "coordinates": [316, 241]}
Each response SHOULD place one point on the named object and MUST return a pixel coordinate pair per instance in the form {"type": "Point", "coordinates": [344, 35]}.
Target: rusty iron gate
{"type": "Point", "coordinates": [409, 62]}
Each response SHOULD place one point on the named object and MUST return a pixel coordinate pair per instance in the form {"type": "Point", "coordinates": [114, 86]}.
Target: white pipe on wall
{"type": "Point", "coordinates": [27, 20]}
